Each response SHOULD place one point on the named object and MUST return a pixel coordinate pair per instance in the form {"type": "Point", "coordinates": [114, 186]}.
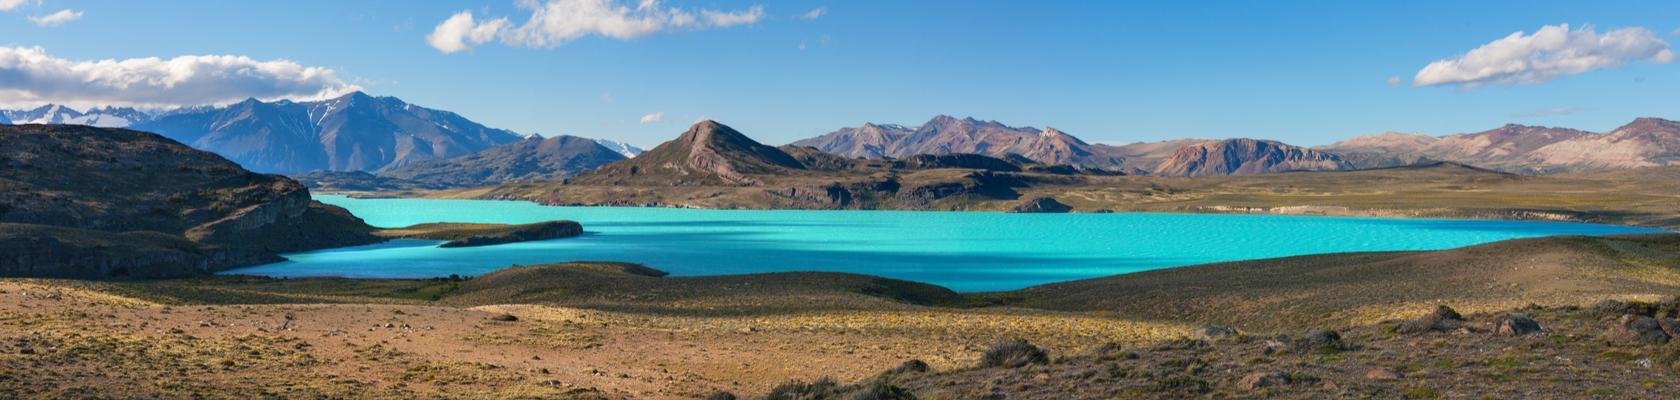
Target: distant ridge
{"type": "Point", "coordinates": [531, 159]}
{"type": "Point", "coordinates": [1645, 142]}
{"type": "Point", "coordinates": [944, 134]}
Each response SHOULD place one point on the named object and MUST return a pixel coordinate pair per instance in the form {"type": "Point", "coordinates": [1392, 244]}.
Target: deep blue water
{"type": "Point", "coordinates": [966, 251]}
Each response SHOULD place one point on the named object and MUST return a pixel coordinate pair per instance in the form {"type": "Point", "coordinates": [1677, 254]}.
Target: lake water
{"type": "Point", "coordinates": [965, 251]}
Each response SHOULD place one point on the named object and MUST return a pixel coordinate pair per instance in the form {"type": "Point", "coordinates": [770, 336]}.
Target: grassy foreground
{"type": "Point", "coordinates": [609, 330]}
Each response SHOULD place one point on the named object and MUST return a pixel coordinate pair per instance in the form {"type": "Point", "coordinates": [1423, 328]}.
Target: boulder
{"type": "Point", "coordinates": [1636, 329]}
{"type": "Point", "coordinates": [1516, 324]}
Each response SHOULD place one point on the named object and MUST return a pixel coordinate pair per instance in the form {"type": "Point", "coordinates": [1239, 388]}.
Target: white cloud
{"type": "Point", "coordinates": [814, 13]}
{"type": "Point", "coordinates": [8, 5]}
{"type": "Point", "coordinates": [1393, 80]}
{"type": "Point", "coordinates": [555, 22]}
{"type": "Point", "coordinates": [653, 117]}
{"type": "Point", "coordinates": [29, 77]}
{"type": "Point", "coordinates": [802, 45]}
{"type": "Point", "coordinates": [55, 19]}
{"type": "Point", "coordinates": [460, 32]}
{"type": "Point", "coordinates": [1553, 51]}
{"type": "Point", "coordinates": [723, 19]}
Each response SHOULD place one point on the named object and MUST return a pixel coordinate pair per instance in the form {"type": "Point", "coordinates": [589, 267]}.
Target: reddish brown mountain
{"type": "Point", "coordinates": [708, 153]}
{"type": "Point", "coordinates": [948, 135]}
{"type": "Point", "coordinates": [1245, 156]}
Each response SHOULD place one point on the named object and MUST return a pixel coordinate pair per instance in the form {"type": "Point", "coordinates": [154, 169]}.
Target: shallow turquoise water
{"type": "Point", "coordinates": [966, 251]}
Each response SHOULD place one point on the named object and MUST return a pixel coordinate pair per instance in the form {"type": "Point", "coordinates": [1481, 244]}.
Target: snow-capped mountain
{"type": "Point", "coordinates": [108, 117]}
{"type": "Point", "coordinates": [622, 148]}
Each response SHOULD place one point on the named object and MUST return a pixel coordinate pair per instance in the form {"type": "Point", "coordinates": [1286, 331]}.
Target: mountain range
{"type": "Point", "coordinates": [397, 140]}
{"type": "Point", "coordinates": [531, 159]}
{"type": "Point", "coordinates": [354, 132]}
{"type": "Point", "coordinates": [1645, 142]}
{"type": "Point", "coordinates": [948, 135]}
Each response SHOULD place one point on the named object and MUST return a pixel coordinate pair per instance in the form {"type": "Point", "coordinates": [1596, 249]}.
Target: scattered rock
{"type": "Point", "coordinates": [1215, 332]}
{"type": "Point", "coordinates": [1274, 346]}
{"type": "Point", "coordinates": [1636, 329]}
{"type": "Point", "coordinates": [1516, 324]}
{"type": "Point", "coordinates": [1383, 374]}
{"type": "Point", "coordinates": [1259, 380]}
{"type": "Point", "coordinates": [1013, 354]}
{"type": "Point", "coordinates": [504, 318]}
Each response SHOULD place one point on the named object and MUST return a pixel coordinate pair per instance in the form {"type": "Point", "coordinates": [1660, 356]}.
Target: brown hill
{"type": "Point", "coordinates": [1245, 157]}
{"type": "Point", "coordinates": [708, 153]}
{"type": "Point", "coordinates": [117, 180]}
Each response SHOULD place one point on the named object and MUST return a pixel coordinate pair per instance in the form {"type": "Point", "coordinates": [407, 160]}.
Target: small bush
{"type": "Point", "coordinates": [824, 388]}
{"type": "Point", "coordinates": [1013, 354]}
{"type": "Point", "coordinates": [909, 367]}
{"type": "Point", "coordinates": [881, 391]}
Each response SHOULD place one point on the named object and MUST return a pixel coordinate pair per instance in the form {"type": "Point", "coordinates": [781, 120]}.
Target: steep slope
{"type": "Point", "coordinates": [1645, 142]}
{"type": "Point", "coordinates": [948, 135]}
{"type": "Point", "coordinates": [708, 153]}
{"type": "Point", "coordinates": [1388, 149]}
{"type": "Point", "coordinates": [1245, 156]}
{"type": "Point", "coordinates": [114, 180]}
{"type": "Point", "coordinates": [355, 132]}
{"type": "Point", "coordinates": [531, 159]}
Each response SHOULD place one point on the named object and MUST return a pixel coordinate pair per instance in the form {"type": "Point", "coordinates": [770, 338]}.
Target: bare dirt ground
{"type": "Point", "coordinates": [607, 330]}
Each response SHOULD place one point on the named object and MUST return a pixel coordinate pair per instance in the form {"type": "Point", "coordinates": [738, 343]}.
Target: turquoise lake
{"type": "Point", "coordinates": [965, 251]}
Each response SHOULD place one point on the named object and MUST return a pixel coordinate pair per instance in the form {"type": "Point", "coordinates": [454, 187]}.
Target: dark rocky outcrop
{"type": "Point", "coordinates": [98, 181]}
{"type": "Point", "coordinates": [1042, 205]}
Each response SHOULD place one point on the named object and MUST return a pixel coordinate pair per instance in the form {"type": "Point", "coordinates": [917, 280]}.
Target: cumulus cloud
{"type": "Point", "coordinates": [555, 22]}
{"type": "Point", "coordinates": [55, 19]}
{"type": "Point", "coordinates": [1393, 81]}
{"type": "Point", "coordinates": [653, 117]}
{"type": "Point", "coordinates": [8, 5]}
{"type": "Point", "coordinates": [29, 77]}
{"type": "Point", "coordinates": [1553, 51]}
{"type": "Point", "coordinates": [814, 13]}
{"type": "Point", "coordinates": [460, 32]}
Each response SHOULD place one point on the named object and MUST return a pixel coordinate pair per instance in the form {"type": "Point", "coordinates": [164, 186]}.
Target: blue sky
{"type": "Point", "coordinates": [1302, 72]}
